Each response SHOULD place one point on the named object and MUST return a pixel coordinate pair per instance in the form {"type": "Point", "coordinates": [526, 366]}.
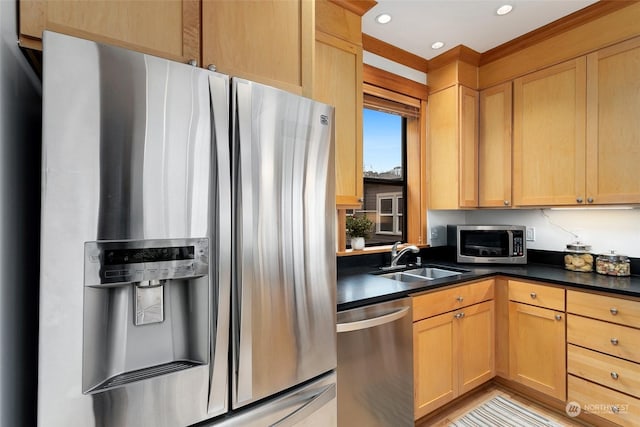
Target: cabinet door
{"type": "Point", "coordinates": [613, 136]}
{"type": "Point", "coordinates": [435, 376]}
{"type": "Point", "coordinates": [494, 147]}
{"type": "Point", "coordinates": [168, 28]}
{"type": "Point", "coordinates": [453, 148]}
{"type": "Point", "coordinates": [337, 80]}
{"type": "Point", "coordinates": [269, 41]}
{"type": "Point", "coordinates": [537, 349]}
{"type": "Point", "coordinates": [549, 136]}
{"type": "Point", "coordinates": [476, 344]}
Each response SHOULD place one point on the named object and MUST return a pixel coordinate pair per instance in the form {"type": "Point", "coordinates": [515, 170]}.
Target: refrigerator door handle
{"type": "Point", "coordinates": [221, 279]}
{"type": "Point", "coordinates": [242, 145]}
{"type": "Point", "coordinates": [325, 396]}
{"type": "Point", "coordinates": [374, 321]}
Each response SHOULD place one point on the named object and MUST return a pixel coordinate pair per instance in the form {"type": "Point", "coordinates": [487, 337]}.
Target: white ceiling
{"type": "Point", "coordinates": [416, 24]}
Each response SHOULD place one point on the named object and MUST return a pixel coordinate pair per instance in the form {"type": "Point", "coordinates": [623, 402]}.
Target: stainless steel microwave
{"type": "Point", "coordinates": [490, 244]}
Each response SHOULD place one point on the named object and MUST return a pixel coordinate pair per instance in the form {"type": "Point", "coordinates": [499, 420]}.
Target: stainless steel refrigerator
{"type": "Point", "coordinates": [187, 267]}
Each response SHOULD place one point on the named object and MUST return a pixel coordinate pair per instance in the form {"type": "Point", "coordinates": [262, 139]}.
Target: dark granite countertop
{"type": "Point", "coordinates": [357, 286]}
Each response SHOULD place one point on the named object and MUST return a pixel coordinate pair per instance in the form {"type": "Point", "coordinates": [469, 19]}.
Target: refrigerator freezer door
{"type": "Point", "coordinates": [127, 157]}
{"type": "Point", "coordinates": [284, 274]}
{"type": "Point", "coordinates": [313, 405]}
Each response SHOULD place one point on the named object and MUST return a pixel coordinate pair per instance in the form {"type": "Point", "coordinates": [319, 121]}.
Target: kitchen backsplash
{"type": "Point", "coordinates": [603, 229]}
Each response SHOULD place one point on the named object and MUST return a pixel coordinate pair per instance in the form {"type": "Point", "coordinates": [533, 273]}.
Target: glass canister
{"type": "Point", "coordinates": [613, 264]}
{"type": "Point", "coordinates": [578, 258]}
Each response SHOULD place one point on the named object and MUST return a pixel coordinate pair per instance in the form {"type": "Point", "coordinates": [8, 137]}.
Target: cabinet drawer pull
{"type": "Point", "coordinates": [614, 341]}
{"type": "Point", "coordinates": [459, 315]}
{"type": "Point", "coordinates": [459, 299]}
{"type": "Point", "coordinates": [533, 295]}
{"type": "Point", "coordinates": [614, 375]}
{"type": "Point", "coordinates": [558, 317]}
{"type": "Point", "coordinates": [613, 311]}
{"type": "Point", "coordinates": [615, 409]}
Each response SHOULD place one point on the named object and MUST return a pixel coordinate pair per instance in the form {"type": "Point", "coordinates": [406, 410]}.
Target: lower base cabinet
{"type": "Point", "coordinates": [537, 355]}
{"type": "Point", "coordinates": [603, 353]}
{"type": "Point", "coordinates": [453, 353]}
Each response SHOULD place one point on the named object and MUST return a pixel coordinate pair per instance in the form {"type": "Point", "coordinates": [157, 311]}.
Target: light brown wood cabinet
{"type": "Point", "coordinates": [575, 131]}
{"type": "Point", "coordinates": [268, 41]}
{"type": "Point", "coordinates": [613, 128]}
{"type": "Point", "coordinates": [537, 345]}
{"type": "Point", "coordinates": [337, 80]}
{"type": "Point", "coordinates": [453, 350]}
{"type": "Point", "coordinates": [549, 111]}
{"type": "Point", "coordinates": [168, 28]}
{"type": "Point", "coordinates": [453, 148]}
{"type": "Point", "coordinates": [494, 146]}
{"type": "Point", "coordinates": [603, 355]}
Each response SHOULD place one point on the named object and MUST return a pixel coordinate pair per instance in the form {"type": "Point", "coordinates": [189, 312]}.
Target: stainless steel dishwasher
{"type": "Point", "coordinates": [375, 365]}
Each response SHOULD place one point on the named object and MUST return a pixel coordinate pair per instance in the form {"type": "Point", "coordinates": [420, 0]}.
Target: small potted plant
{"type": "Point", "coordinates": [358, 228]}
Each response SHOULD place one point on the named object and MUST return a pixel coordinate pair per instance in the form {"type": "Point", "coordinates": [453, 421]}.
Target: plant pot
{"type": "Point", "coordinates": [357, 243]}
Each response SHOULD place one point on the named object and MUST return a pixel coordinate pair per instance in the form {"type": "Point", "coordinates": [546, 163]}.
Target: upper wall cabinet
{"type": "Point", "coordinates": [169, 28]}
{"type": "Point", "coordinates": [453, 148]}
{"type": "Point", "coordinates": [337, 80]}
{"type": "Point", "coordinates": [268, 41]}
{"type": "Point", "coordinates": [576, 131]}
{"type": "Point", "coordinates": [549, 109]}
{"type": "Point", "coordinates": [613, 128]}
{"type": "Point", "coordinates": [494, 147]}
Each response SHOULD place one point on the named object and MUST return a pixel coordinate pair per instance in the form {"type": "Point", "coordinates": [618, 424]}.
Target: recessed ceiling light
{"type": "Point", "coordinates": [504, 9]}
{"type": "Point", "coordinates": [437, 45]}
{"type": "Point", "coordinates": [383, 18]}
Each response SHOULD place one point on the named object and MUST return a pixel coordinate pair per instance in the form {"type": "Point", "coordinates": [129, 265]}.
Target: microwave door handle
{"type": "Point", "coordinates": [510, 234]}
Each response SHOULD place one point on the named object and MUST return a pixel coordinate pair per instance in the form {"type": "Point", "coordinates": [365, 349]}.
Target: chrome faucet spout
{"type": "Point", "coordinates": [395, 256]}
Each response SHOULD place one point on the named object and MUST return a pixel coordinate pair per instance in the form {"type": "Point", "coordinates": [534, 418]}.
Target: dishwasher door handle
{"type": "Point", "coordinates": [374, 321]}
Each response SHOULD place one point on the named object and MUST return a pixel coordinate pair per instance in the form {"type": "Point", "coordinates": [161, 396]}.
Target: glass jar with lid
{"type": "Point", "coordinates": [578, 257]}
{"type": "Point", "coordinates": [613, 264]}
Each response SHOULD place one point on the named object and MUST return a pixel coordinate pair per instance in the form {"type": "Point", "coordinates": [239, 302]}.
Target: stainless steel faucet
{"type": "Point", "coordinates": [395, 255]}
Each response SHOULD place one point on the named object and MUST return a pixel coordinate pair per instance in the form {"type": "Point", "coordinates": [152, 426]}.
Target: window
{"type": "Point", "coordinates": [384, 174]}
{"type": "Point", "coordinates": [401, 213]}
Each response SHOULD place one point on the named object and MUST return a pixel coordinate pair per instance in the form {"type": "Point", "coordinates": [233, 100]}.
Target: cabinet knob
{"type": "Point", "coordinates": [614, 341]}
{"type": "Point", "coordinates": [506, 203]}
{"type": "Point", "coordinates": [533, 295]}
{"type": "Point", "coordinates": [459, 299]}
{"type": "Point", "coordinates": [613, 310]}
{"type": "Point", "coordinates": [211, 67]}
{"type": "Point", "coordinates": [590, 200]}
{"type": "Point", "coordinates": [459, 315]}
{"type": "Point", "coordinates": [193, 62]}
{"type": "Point", "coordinates": [614, 375]}
{"type": "Point", "coordinates": [558, 317]}
{"type": "Point", "coordinates": [579, 200]}
{"type": "Point", "coordinates": [615, 409]}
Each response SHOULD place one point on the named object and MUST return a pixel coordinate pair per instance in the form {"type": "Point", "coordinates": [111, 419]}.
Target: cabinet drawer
{"type": "Point", "coordinates": [437, 302]}
{"type": "Point", "coordinates": [606, 370]}
{"type": "Point", "coordinates": [604, 337]}
{"type": "Point", "coordinates": [611, 309]}
{"type": "Point", "coordinates": [538, 295]}
{"type": "Point", "coordinates": [614, 406]}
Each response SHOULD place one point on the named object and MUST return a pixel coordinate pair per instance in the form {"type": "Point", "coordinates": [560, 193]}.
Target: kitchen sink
{"type": "Point", "coordinates": [424, 273]}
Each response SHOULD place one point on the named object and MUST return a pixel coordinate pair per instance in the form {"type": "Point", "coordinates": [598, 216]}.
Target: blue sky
{"type": "Point", "coordinates": [382, 141]}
